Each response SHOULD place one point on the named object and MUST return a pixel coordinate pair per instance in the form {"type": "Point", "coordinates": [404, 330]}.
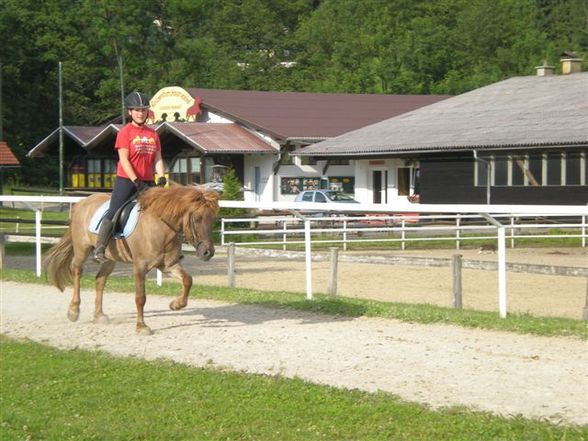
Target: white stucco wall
{"type": "Point", "coordinates": [364, 175]}
{"type": "Point", "coordinates": [265, 164]}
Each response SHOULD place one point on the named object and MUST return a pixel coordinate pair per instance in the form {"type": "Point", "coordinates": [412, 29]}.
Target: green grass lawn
{"type": "Point", "coordinates": [47, 394]}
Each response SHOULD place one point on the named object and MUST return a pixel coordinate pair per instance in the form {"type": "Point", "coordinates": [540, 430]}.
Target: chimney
{"type": "Point", "coordinates": [570, 63]}
{"type": "Point", "coordinates": [545, 69]}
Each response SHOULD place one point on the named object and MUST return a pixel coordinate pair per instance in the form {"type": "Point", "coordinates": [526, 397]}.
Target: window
{"type": "Point", "coordinates": [338, 161]}
{"type": "Point", "coordinates": [179, 170]}
{"type": "Point", "coordinates": [518, 171]}
{"type": "Point", "coordinates": [554, 168]}
{"type": "Point", "coordinates": [307, 197]}
{"type": "Point", "coordinates": [319, 197]}
{"type": "Point", "coordinates": [500, 171]}
{"type": "Point", "coordinates": [194, 170]}
{"type": "Point", "coordinates": [307, 160]}
{"type": "Point", "coordinates": [285, 158]}
{"type": "Point", "coordinates": [533, 169]}
{"type": "Point", "coordinates": [482, 168]}
{"type": "Point", "coordinates": [536, 169]}
{"type": "Point", "coordinates": [573, 175]}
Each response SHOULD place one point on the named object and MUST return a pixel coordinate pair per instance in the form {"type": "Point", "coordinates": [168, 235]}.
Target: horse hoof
{"type": "Point", "coordinates": [73, 315]}
{"type": "Point", "coordinates": [144, 330]}
{"type": "Point", "coordinates": [101, 320]}
{"type": "Point", "coordinates": [176, 306]}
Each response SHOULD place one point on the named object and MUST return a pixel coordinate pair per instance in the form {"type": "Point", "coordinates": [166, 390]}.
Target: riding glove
{"type": "Point", "coordinates": [161, 181]}
{"type": "Point", "coordinates": [141, 186]}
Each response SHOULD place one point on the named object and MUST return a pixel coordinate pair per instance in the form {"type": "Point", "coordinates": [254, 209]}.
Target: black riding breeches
{"type": "Point", "coordinates": [123, 190]}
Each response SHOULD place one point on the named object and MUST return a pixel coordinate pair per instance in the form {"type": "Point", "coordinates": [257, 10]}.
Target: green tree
{"type": "Point", "coordinates": [232, 191]}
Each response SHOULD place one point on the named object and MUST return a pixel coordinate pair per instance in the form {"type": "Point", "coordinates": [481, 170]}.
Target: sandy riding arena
{"type": "Point", "coordinates": [508, 374]}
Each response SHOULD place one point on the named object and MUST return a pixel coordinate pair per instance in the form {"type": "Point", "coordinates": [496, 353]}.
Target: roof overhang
{"type": "Point", "coordinates": [217, 138]}
{"type": "Point", "coordinates": [385, 151]}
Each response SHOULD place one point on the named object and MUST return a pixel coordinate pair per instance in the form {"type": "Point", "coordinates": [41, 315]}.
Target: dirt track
{"type": "Point", "coordinates": [544, 378]}
{"type": "Point", "coordinates": [436, 365]}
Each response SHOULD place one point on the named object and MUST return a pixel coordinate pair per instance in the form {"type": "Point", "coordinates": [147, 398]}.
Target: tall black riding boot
{"type": "Point", "coordinates": [104, 233]}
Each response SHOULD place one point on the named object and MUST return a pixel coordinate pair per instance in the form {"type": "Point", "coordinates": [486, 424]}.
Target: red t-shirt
{"type": "Point", "coordinates": [142, 144]}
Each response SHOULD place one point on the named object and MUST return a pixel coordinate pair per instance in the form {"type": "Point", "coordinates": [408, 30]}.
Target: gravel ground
{"type": "Point", "coordinates": [437, 365]}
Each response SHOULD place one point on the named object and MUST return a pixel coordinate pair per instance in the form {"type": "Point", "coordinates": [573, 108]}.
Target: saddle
{"type": "Point", "coordinates": [125, 219]}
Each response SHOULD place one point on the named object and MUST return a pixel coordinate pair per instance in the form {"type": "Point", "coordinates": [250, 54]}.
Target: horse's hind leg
{"type": "Point", "coordinates": [105, 270]}
{"type": "Point", "coordinates": [140, 300]}
{"type": "Point", "coordinates": [180, 301]}
{"type": "Point", "coordinates": [73, 311]}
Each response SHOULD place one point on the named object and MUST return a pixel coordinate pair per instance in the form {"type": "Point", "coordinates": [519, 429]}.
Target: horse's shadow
{"type": "Point", "coordinates": [236, 315]}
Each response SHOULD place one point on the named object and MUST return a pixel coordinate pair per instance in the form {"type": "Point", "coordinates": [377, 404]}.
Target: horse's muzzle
{"type": "Point", "coordinates": [204, 250]}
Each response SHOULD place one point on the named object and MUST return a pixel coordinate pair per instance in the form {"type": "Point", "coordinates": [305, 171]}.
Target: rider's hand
{"type": "Point", "coordinates": [140, 185]}
{"type": "Point", "coordinates": [161, 181]}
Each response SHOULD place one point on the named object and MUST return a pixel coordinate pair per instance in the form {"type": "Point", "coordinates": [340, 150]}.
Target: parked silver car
{"type": "Point", "coordinates": [326, 196]}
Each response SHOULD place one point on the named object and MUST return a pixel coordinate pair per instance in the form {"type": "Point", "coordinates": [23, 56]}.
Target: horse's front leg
{"type": "Point", "coordinates": [140, 300]}
{"type": "Point", "coordinates": [179, 273]}
{"type": "Point", "coordinates": [103, 273]}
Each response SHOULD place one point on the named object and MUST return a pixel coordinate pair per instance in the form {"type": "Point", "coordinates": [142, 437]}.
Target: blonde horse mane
{"type": "Point", "coordinates": [173, 203]}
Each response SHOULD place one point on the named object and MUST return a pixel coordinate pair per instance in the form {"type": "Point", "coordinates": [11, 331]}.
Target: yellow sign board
{"type": "Point", "coordinates": [173, 104]}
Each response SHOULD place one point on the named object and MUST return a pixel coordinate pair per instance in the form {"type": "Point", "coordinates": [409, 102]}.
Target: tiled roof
{"type": "Point", "coordinates": [218, 137]}
{"type": "Point", "coordinates": [302, 115]}
{"type": "Point", "coordinates": [7, 158]}
{"type": "Point", "coordinates": [518, 112]}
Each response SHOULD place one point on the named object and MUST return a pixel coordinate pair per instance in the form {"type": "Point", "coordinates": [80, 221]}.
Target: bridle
{"type": "Point", "coordinates": [192, 237]}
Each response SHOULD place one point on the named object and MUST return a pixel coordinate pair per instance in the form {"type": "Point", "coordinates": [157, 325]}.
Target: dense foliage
{"type": "Point", "coordinates": [368, 46]}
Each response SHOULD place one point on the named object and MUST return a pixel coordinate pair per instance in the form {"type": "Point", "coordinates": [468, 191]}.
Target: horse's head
{"type": "Point", "coordinates": [189, 210]}
{"type": "Point", "coordinates": [199, 224]}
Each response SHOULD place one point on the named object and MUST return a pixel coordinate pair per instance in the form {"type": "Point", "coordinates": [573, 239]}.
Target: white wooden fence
{"type": "Point", "coordinates": [491, 213]}
{"type": "Point", "coordinates": [289, 230]}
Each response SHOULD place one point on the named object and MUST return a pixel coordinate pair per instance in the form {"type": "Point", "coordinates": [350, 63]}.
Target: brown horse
{"type": "Point", "coordinates": [165, 215]}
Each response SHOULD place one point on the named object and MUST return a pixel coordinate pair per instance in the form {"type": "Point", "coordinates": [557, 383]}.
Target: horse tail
{"type": "Point", "coordinates": [58, 261]}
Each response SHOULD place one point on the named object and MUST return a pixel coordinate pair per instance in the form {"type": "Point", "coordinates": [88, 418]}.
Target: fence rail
{"type": "Point", "coordinates": [348, 230]}
{"type": "Point", "coordinates": [491, 213]}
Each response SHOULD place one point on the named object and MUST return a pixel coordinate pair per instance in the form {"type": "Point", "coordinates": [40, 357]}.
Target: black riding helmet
{"type": "Point", "coordinates": [136, 100]}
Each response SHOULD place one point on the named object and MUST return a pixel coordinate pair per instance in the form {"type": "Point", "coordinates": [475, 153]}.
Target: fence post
{"type": "Point", "coordinates": [285, 235]}
{"type": "Point", "coordinates": [457, 285]}
{"type": "Point", "coordinates": [512, 232]}
{"type": "Point", "coordinates": [222, 231]}
{"type": "Point", "coordinates": [345, 235]}
{"type": "Point", "coordinates": [402, 234]}
{"type": "Point", "coordinates": [38, 241]}
{"type": "Point", "coordinates": [333, 273]}
{"type": "Point", "coordinates": [308, 257]}
{"type": "Point", "coordinates": [585, 310]}
{"type": "Point", "coordinates": [231, 264]}
{"type": "Point", "coordinates": [457, 232]}
{"type": "Point", "coordinates": [2, 252]}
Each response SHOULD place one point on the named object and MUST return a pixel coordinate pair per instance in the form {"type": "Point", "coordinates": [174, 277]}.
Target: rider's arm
{"type": "Point", "coordinates": [159, 164]}
{"type": "Point", "coordinates": [123, 158]}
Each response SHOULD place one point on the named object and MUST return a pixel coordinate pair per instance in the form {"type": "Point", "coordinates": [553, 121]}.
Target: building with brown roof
{"type": "Point", "coordinates": [7, 158]}
{"type": "Point", "coordinates": [250, 131]}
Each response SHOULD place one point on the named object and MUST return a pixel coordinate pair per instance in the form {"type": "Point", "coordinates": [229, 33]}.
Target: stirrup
{"type": "Point", "coordinates": [99, 255]}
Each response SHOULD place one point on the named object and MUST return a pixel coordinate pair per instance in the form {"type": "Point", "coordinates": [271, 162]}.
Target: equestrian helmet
{"type": "Point", "coordinates": [137, 100]}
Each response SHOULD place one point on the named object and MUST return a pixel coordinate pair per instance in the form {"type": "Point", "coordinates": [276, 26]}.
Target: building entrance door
{"type": "Point", "coordinates": [380, 186]}
{"type": "Point", "coordinates": [403, 181]}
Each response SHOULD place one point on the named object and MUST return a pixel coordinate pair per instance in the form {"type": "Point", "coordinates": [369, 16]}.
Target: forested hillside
{"type": "Point", "coordinates": [355, 46]}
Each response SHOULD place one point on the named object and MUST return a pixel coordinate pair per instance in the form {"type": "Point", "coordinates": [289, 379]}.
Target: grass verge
{"type": "Point", "coordinates": [348, 307]}
{"type": "Point", "coordinates": [79, 395]}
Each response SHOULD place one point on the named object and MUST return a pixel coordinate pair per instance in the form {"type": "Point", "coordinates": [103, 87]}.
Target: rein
{"type": "Point", "coordinates": [192, 238]}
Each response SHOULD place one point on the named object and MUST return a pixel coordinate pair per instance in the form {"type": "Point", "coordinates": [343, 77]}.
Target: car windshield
{"type": "Point", "coordinates": [337, 196]}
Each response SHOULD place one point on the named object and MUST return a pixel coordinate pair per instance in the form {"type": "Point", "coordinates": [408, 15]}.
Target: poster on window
{"type": "Point", "coordinates": [311, 183]}
{"type": "Point", "coordinates": [291, 185]}
{"type": "Point", "coordinates": [346, 184]}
